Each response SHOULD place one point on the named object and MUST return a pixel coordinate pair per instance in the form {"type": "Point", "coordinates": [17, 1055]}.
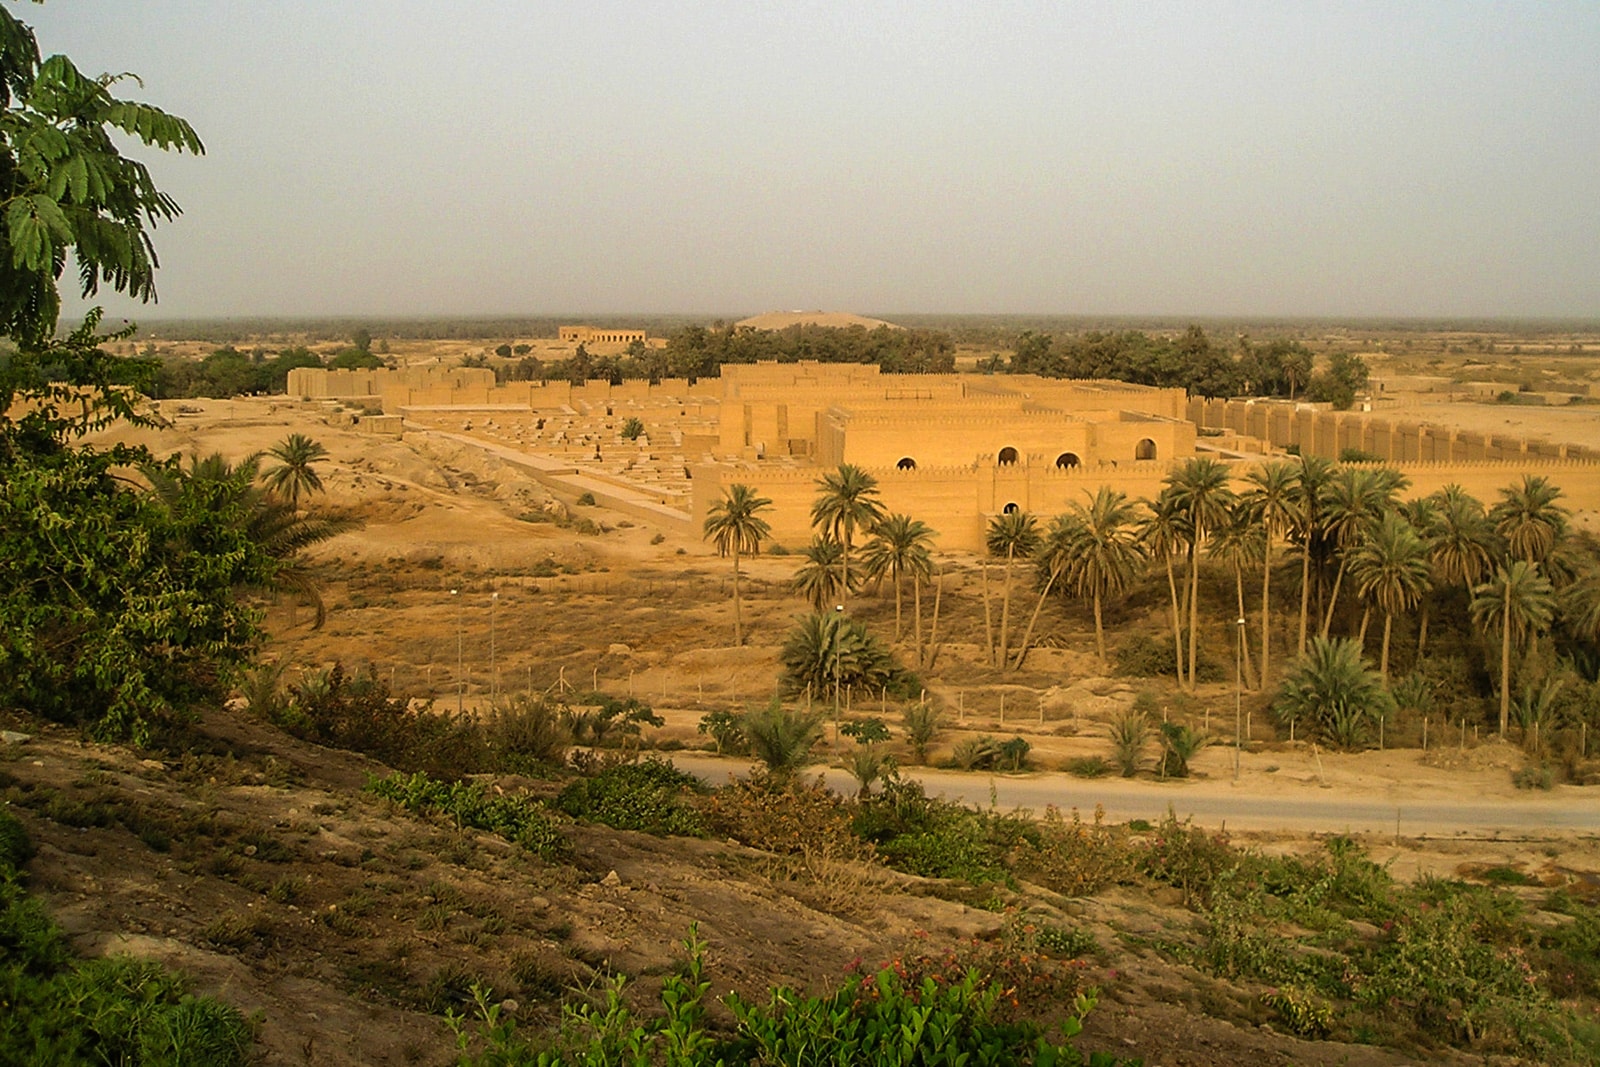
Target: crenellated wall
{"type": "Point", "coordinates": [1319, 432]}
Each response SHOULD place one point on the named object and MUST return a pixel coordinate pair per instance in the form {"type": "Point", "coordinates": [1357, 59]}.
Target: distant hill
{"type": "Point", "coordinates": [782, 320]}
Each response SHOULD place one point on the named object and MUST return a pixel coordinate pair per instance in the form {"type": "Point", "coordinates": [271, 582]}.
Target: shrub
{"type": "Point", "coordinates": [585, 500]}
{"type": "Point", "coordinates": [648, 796]}
{"type": "Point", "coordinates": [727, 731]}
{"type": "Point", "coordinates": [781, 737]}
{"type": "Point", "coordinates": [1088, 767]}
{"type": "Point", "coordinates": [15, 848]}
{"type": "Point", "coordinates": [826, 649]}
{"type": "Point", "coordinates": [1332, 694]}
{"type": "Point", "coordinates": [986, 753]}
{"type": "Point", "coordinates": [866, 730]}
{"type": "Point", "coordinates": [516, 818]}
{"type": "Point", "coordinates": [866, 764]}
{"type": "Point", "coordinates": [921, 721]}
{"type": "Point", "coordinates": [781, 815]}
{"type": "Point", "coordinates": [632, 429]}
{"type": "Point", "coordinates": [1179, 745]}
{"type": "Point", "coordinates": [524, 733]}
{"type": "Point", "coordinates": [1072, 857]}
{"type": "Point", "coordinates": [1129, 735]}
{"type": "Point", "coordinates": [1182, 855]}
{"type": "Point", "coordinates": [1144, 656]}
{"type": "Point", "coordinates": [597, 716]}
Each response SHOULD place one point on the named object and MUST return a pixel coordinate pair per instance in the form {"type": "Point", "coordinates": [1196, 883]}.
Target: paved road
{"type": "Point", "coordinates": [1216, 803]}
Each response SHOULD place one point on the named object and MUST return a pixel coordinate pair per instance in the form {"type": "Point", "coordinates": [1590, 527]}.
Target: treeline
{"type": "Point", "coordinates": [230, 372]}
{"type": "Point", "coordinates": [1190, 361]}
{"type": "Point", "coordinates": [701, 351]}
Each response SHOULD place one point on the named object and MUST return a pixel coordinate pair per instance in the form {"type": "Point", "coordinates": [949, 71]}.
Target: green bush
{"type": "Point", "coordinates": [117, 1010]}
{"type": "Point", "coordinates": [1144, 656]}
{"type": "Point", "coordinates": [516, 818]}
{"type": "Point", "coordinates": [648, 796]}
{"type": "Point", "coordinates": [882, 1018]}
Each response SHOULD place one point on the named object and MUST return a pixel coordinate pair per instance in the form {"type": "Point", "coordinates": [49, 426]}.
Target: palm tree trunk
{"type": "Point", "coordinates": [1505, 662]}
{"type": "Point", "coordinates": [1333, 601]}
{"type": "Point", "coordinates": [897, 591]}
{"type": "Point", "coordinates": [916, 616]}
{"type": "Point", "coordinates": [1099, 630]}
{"type": "Point", "coordinates": [1305, 593]}
{"type": "Point", "coordinates": [1422, 629]}
{"type": "Point", "coordinates": [1177, 623]}
{"type": "Point", "coordinates": [1361, 635]}
{"type": "Point", "coordinates": [1266, 588]}
{"type": "Point", "coordinates": [1383, 660]}
{"type": "Point", "coordinates": [1244, 645]}
{"type": "Point", "coordinates": [933, 628]}
{"type": "Point", "coordinates": [738, 623]}
{"type": "Point", "coordinates": [988, 613]}
{"type": "Point", "coordinates": [1028, 633]}
{"type": "Point", "coordinates": [1194, 603]}
{"type": "Point", "coordinates": [1005, 611]}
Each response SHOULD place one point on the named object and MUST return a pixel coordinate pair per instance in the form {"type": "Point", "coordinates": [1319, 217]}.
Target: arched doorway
{"type": "Point", "coordinates": [1067, 460]}
{"type": "Point", "coordinates": [1145, 449]}
{"type": "Point", "coordinates": [906, 464]}
{"type": "Point", "coordinates": [1007, 457]}
{"type": "Point", "coordinates": [1011, 508]}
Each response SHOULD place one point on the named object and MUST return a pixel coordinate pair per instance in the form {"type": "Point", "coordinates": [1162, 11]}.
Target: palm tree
{"type": "Point", "coordinates": [1529, 519]}
{"type": "Point", "coordinates": [735, 527]}
{"type": "Point", "coordinates": [1011, 534]}
{"type": "Point", "coordinates": [1271, 503]}
{"type": "Point", "coordinates": [1103, 553]}
{"type": "Point", "coordinates": [1309, 526]}
{"type": "Point", "coordinates": [1517, 603]}
{"type": "Point", "coordinates": [268, 520]}
{"type": "Point", "coordinates": [1240, 542]}
{"type": "Point", "coordinates": [899, 547]}
{"type": "Point", "coordinates": [848, 502]}
{"type": "Point", "coordinates": [1200, 491]}
{"type": "Point", "coordinates": [1052, 558]}
{"type": "Point", "coordinates": [1355, 501]}
{"type": "Point", "coordinates": [781, 737]}
{"type": "Point", "coordinates": [1460, 546]}
{"type": "Point", "coordinates": [1165, 533]}
{"type": "Point", "coordinates": [294, 476]}
{"type": "Point", "coordinates": [821, 578]}
{"type": "Point", "coordinates": [1334, 692]}
{"type": "Point", "coordinates": [1390, 569]}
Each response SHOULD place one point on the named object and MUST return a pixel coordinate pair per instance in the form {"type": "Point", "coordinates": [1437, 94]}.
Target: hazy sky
{"type": "Point", "coordinates": [476, 157]}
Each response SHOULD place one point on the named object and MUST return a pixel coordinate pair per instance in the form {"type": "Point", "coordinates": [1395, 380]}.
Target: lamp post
{"type": "Point", "coordinates": [1238, 698]}
{"type": "Point", "coordinates": [456, 593]}
{"type": "Point", "coordinates": [494, 676]}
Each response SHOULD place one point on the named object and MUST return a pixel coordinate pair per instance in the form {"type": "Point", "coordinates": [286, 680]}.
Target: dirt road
{"type": "Point", "coordinates": [1217, 802]}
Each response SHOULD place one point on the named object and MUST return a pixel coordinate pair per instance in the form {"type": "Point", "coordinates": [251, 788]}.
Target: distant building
{"type": "Point", "coordinates": [783, 320]}
{"type": "Point", "coordinates": [594, 335]}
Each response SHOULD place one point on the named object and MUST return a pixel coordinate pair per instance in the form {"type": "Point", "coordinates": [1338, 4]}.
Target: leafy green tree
{"type": "Point", "coordinates": [734, 526]}
{"type": "Point", "coordinates": [1390, 569]}
{"type": "Point", "coordinates": [68, 188]}
{"type": "Point", "coordinates": [1515, 604]}
{"type": "Point", "coordinates": [847, 501]}
{"type": "Point", "coordinates": [294, 476]}
{"type": "Point", "coordinates": [1333, 692]}
{"type": "Point", "coordinates": [1011, 535]}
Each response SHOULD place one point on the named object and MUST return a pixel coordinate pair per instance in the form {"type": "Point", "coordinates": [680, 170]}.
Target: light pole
{"type": "Point", "coordinates": [1238, 698]}
{"type": "Point", "coordinates": [459, 696]}
{"type": "Point", "coordinates": [494, 676]}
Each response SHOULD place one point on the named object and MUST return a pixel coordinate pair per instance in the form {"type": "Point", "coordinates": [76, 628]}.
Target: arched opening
{"type": "Point", "coordinates": [1007, 456]}
{"type": "Point", "coordinates": [1011, 508]}
{"type": "Point", "coordinates": [1145, 449]}
{"type": "Point", "coordinates": [907, 464]}
{"type": "Point", "coordinates": [1067, 460]}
